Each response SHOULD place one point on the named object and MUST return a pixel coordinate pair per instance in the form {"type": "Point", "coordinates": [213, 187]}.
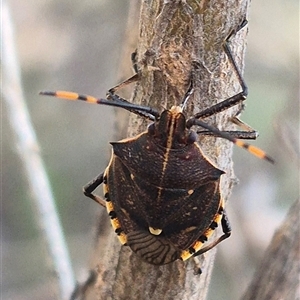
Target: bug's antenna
{"type": "Point", "coordinates": [113, 101]}
{"type": "Point", "coordinates": [250, 148]}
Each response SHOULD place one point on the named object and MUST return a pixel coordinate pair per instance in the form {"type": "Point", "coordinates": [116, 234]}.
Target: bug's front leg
{"type": "Point", "coordinates": [236, 99]}
{"type": "Point", "coordinates": [91, 186]}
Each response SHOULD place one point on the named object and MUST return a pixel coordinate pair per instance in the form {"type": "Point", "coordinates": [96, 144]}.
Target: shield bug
{"type": "Point", "coordinates": [161, 192]}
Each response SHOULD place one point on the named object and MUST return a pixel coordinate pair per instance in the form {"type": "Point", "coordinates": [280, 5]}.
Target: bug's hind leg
{"type": "Point", "coordinates": [91, 186]}
{"type": "Point", "coordinates": [226, 234]}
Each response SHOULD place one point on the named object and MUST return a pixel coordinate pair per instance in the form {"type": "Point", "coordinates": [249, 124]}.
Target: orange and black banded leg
{"type": "Point", "coordinates": [233, 136]}
{"type": "Point", "coordinates": [91, 186]}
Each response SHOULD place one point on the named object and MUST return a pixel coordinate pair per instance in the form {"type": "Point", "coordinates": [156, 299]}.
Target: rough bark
{"type": "Point", "coordinates": [278, 274]}
{"type": "Point", "coordinates": [172, 35]}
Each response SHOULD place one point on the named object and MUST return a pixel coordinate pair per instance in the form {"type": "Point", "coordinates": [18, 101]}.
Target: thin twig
{"type": "Point", "coordinates": [29, 153]}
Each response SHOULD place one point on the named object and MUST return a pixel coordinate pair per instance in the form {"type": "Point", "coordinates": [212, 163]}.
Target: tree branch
{"type": "Point", "coordinates": [29, 153]}
{"type": "Point", "coordinates": [173, 34]}
{"type": "Point", "coordinates": [278, 274]}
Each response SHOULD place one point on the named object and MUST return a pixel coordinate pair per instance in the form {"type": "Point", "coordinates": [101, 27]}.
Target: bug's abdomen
{"type": "Point", "coordinates": [154, 249]}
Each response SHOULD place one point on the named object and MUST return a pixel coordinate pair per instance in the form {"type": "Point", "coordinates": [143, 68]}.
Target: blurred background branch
{"type": "Point", "coordinates": [29, 152]}
{"type": "Point", "coordinates": [278, 274]}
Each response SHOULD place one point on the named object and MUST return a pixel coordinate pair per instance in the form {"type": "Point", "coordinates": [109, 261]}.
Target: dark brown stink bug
{"type": "Point", "coordinates": [161, 192]}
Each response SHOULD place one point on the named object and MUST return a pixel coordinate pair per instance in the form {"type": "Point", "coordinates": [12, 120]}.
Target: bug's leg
{"type": "Point", "coordinates": [188, 93]}
{"type": "Point", "coordinates": [235, 120]}
{"type": "Point", "coordinates": [91, 186]}
{"type": "Point", "coordinates": [197, 268]}
{"type": "Point", "coordinates": [248, 132]}
{"type": "Point", "coordinates": [245, 135]}
{"type": "Point", "coordinates": [116, 98]}
{"type": "Point", "coordinates": [134, 61]}
{"type": "Point", "coordinates": [226, 234]}
{"type": "Point", "coordinates": [81, 289]}
{"type": "Point", "coordinates": [236, 99]}
{"type": "Point", "coordinates": [151, 115]}
{"type": "Point", "coordinates": [124, 83]}
{"type": "Point", "coordinates": [111, 92]}
{"type": "Point", "coordinates": [250, 148]}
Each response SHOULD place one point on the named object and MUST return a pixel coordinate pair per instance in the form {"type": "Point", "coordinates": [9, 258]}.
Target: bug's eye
{"type": "Point", "coordinates": [151, 128]}
{"type": "Point", "coordinates": [192, 137]}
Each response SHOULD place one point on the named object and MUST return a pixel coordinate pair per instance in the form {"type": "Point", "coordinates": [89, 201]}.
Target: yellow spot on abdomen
{"type": "Point", "coordinates": [155, 231]}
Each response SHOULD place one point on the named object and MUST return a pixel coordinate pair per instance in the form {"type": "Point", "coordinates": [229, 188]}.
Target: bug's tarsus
{"type": "Point", "coordinates": [197, 266]}
{"type": "Point", "coordinates": [235, 120]}
{"type": "Point", "coordinates": [248, 133]}
{"type": "Point", "coordinates": [188, 94]}
{"type": "Point", "coordinates": [227, 50]}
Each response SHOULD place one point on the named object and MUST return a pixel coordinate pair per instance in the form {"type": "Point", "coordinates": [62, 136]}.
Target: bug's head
{"type": "Point", "coordinates": [169, 130]}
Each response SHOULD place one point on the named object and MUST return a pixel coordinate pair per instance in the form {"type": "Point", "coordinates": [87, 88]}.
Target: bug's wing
{"type": "Point", "coordinates": [132, 218]}
{"type": "Point", "coordinates": [125, 198]}
{"type": "Point", "coordinates": [194, 217]}
{"type": "Point", "coordinates": [182, 215]}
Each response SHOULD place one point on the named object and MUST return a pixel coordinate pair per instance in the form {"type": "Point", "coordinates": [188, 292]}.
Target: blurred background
{"type": "Point", "coordinates": [76, 46]}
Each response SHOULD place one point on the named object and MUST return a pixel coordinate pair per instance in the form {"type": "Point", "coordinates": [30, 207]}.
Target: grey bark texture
{"type": "Point", "coordinates": [279, 271]}
{"type": "Point", "coordinates": [173, 34]}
